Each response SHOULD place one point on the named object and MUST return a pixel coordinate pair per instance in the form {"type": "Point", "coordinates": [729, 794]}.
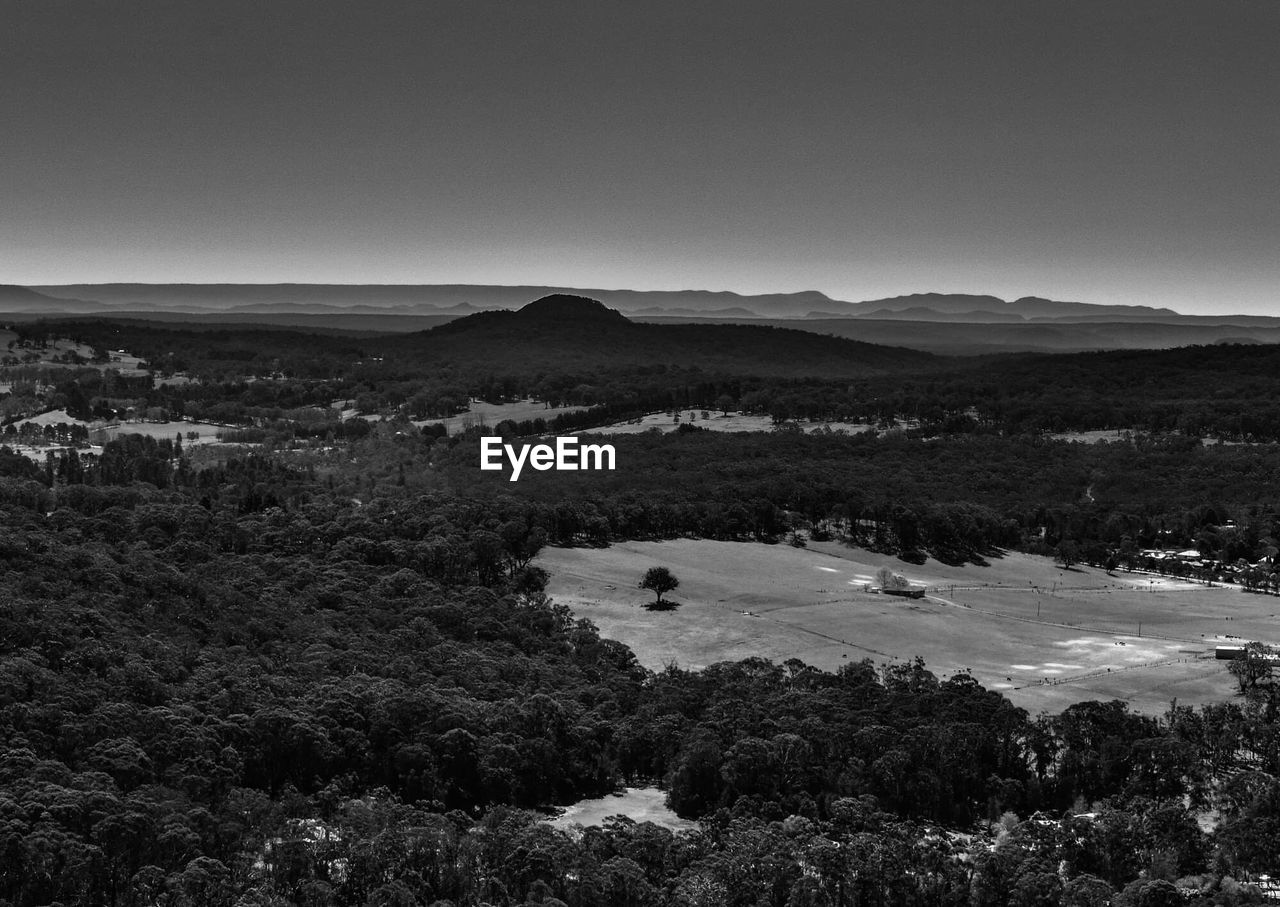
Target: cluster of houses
{"type": "Point", "coordinates": [1189, 557]}
{"type": "Point", "coordinates": [1190, 562]}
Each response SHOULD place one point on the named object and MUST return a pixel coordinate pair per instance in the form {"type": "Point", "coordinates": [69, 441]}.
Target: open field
{"type": "Point", "coordinates": [1044, 636]}
{"type": "Point", "coordinates": [207, 431]}
{"type": "Point", "coordinates": [640, 804]}
{"type": "Point", "coordinates": [38, 455]}
{"type": "Point", "coordinates": [124, 363]}
{"type": "Point", "coordinates": [492, 413]}
{"type": "Point", "coordinates": [478, 413]}
{"type": "Point", "coordinates": [1095, 437]}
{"type": "Point", "coordinates": [1117, 434]}
{"type": "Point", "coordinates": [102, 432]}
{"type": "Point", "coordinates": [734, 422]}
{"type": "Point", "coordinates": [52, 417]}
{"type": "Point", "coordinates": [158, 430]}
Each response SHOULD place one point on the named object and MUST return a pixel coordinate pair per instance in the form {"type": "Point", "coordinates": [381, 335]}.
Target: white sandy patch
{"type": "Point", "coordinates": [1146, 582]}
{"type": "Point", "coordinates": [1102, 651]}
{"type": "Point", "coordinates": [640, 804]}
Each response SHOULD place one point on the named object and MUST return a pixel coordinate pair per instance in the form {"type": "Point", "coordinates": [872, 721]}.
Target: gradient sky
{"type": "Point", "coordinates": [1110, 151]}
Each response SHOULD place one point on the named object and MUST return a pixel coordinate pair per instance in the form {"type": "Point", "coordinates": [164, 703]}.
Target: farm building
{"type": "Point", "coordinates": [1232, 651]}
{"type": "Point", "coordinates": [905, 593]}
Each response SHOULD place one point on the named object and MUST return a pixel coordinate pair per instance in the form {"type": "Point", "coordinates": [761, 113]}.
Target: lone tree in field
{"type": "Point", "coordinates": [660, 581]}
{"type": "Point", "coordinates": [1067, 554]}
{"type": "Point", "coordinates": [1253, 666]}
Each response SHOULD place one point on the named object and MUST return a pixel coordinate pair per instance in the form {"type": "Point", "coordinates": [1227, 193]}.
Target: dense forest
{"type": "Point", "coordinates": [958, 499]}
{"type": "Point", "coordinates": [321, 668]}
{"type": "Point", "coordinates": [235, 682]}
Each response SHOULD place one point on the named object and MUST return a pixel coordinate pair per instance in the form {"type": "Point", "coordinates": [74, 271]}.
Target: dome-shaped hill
{"type": "Point", "coordinates": [564, 307]}
{"type": "Point", "coordinates": [570, 334]}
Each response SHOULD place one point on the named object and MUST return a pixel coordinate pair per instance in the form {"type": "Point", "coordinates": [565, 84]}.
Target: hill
{"type": "Point", "coordinates": [576, 339]}
{"type": "Point", "coordinates": [575, 334]}
{"type": "Point", "coordinates": [562, 307]}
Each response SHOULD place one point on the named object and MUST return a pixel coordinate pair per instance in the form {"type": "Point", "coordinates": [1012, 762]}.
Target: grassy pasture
{"type": "Point", "coordinates": [53, 417]}
{"type": "Point", "coordinates": [491, 414]}
{"type": "Point", "coordinates": [125, 363]}
{"type": "Point", "coordinates": [1094, 437]}
{"type": "Point", "coordinates": [733, 422]}
{"type": "Point", "coordinates": [1044, 636]}
{"type": "Point", "coordinates": [1117, 434]}
{"type": "Point", "coordinates": [208, 431]}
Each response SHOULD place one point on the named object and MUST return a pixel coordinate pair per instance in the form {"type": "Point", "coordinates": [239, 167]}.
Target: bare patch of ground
{"type": "Point", "coordinates": [640, 804]}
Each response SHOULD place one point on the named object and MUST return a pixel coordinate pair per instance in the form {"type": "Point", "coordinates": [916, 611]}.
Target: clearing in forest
{"type": "Point", "coordinates": [718, 421]}
{"type": "Point", "coordinates": [1044, 636]}
{"type": "Point", "coordinates": [490, 414]}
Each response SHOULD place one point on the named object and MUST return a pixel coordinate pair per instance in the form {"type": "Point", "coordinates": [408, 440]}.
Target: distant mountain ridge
{"type": "Point", "coordinates": [460, 299]}
{"type": "Point", "coordinates": [15, 296]}
{"type": "Point", "coordinates": [1028, 308]}
{"type": "Point", "coordinates": [422, 299]}
{"type": "Point", "coordinates": [944, 322]}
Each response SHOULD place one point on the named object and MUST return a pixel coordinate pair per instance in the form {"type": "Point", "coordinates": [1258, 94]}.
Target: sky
{"type": "Point", "coordinates": [1092, 150]}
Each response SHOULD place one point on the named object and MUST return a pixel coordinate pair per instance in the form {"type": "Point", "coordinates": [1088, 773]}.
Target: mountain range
{"type": "Point", "coordinates": [461, 299]}
{"type": "Point", "coordinates": [940, 322]}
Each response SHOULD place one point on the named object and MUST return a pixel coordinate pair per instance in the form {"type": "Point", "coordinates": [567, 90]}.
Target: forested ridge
{"type": "Point", "coordinates": [1222, 391]}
